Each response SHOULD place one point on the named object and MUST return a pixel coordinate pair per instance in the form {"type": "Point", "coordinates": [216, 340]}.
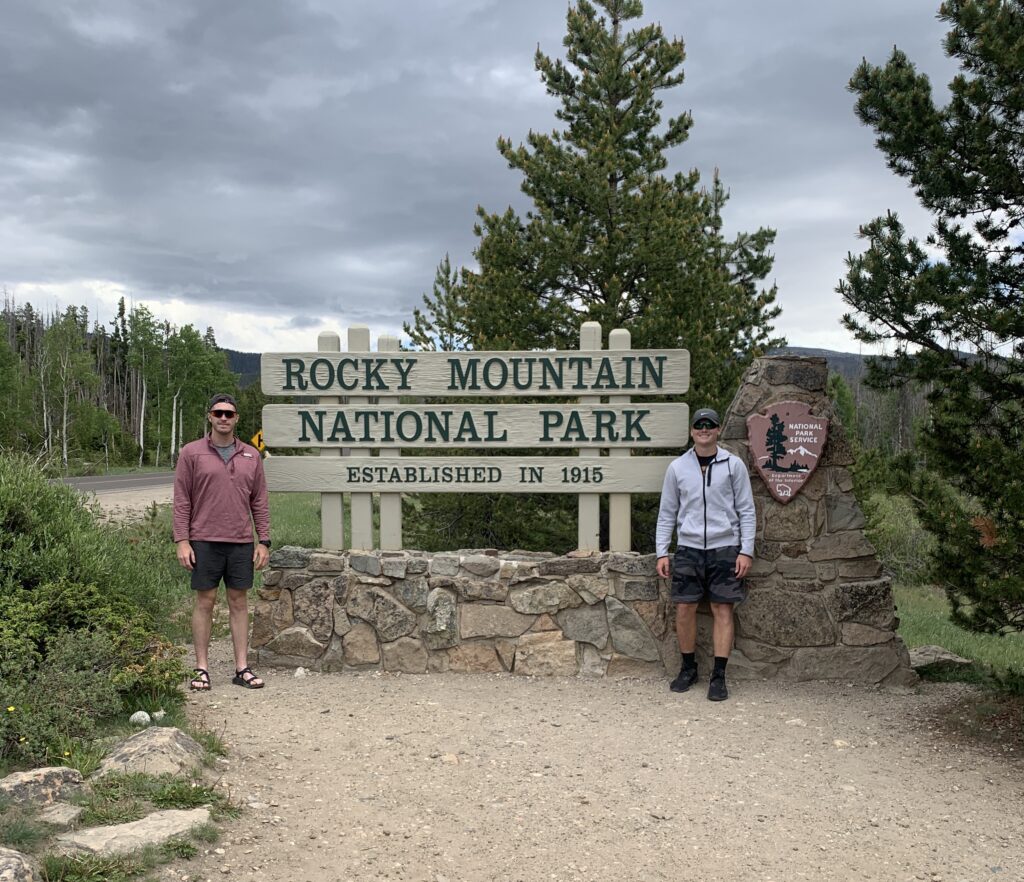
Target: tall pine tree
{"type": "Point", "coordinates": [952, 308]}
{"type": "Point", "coordinates": [609, 237]}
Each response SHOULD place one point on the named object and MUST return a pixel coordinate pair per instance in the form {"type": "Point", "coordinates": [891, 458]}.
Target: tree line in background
{"type": "Point", "coordinates": [91, 396]}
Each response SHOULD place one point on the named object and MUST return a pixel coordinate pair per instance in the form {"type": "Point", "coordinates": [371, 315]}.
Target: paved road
{"type": "Point", "coordinates": [100, 484]}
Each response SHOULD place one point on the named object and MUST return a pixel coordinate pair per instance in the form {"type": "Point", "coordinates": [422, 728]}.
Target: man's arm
{"type": "Point", "coordinates": [183, 512]}
{"type": "Point", "coordinates": [667, 512]}
{"type": "Point", "coordinates": [259, 506]}
{"type": "Point", "coordinates": [747, 514]}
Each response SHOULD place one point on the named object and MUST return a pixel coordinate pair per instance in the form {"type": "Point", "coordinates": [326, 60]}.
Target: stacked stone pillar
{"type": "Point", "coordinates": [820, 606]}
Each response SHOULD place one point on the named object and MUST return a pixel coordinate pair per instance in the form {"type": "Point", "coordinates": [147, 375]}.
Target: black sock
{"type": "Point", "coordinates": [689, 659]}
{"type": "Point", "coordinates": [720, 664]}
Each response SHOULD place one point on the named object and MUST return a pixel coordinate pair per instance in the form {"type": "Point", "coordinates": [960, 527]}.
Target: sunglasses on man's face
{"type": "Point", "coordinates": [704, 426]}
{"type": "Point", "coordinates": [224, 414]}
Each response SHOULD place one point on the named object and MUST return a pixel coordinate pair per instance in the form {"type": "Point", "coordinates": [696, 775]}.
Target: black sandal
{"type": "Point", "coordinates": [247, 682]}
{"type": "Point", "coordinates": [201, 681]}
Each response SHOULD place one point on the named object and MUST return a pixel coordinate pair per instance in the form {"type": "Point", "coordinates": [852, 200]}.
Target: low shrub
{"type": "Point", "coordinates": [903, 545]}
{"type": "Point", "coordinates": [80, 612]}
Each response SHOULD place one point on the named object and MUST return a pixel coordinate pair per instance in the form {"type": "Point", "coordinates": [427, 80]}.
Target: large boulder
{"type": "Point", "coordinates": [157, 750]}
{"type": "Point", "coordinates": [40, 786]}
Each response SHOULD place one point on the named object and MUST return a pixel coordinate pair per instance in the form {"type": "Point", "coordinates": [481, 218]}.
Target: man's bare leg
{"type": "Point", "coordinates": [723, 630]}
{"type": "Point", "coordinates": [238, 619]}
{"type": "Point", "coordinates": [686, 626]}
{"type": "Point", "coordinates": [202, 625]}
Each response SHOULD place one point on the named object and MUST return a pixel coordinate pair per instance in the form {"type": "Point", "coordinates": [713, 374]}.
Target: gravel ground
{"type": "Point", "coordinates": [481, 777]}
{"type": "Point", "coordinates": [449, 777]}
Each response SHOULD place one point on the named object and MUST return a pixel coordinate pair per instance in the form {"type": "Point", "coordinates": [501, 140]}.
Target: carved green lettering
{"type": "Point", "coordinates": [463, 377]}
{"type": "Point", "coordinates": [311, 422]}
{"type": "Point", "coordinates": [321, 364]}
{"type": "Point", "coordinates": [605, 376]}
{"type": "Point", "coordinates": [634, 429]}
{"type": "Point", "coordinates": [341, 430]}
{"type": "Point", "coordinates": [293, 368]}
{"type": "Point", "coordinates": [467, 429]}
{"type": "Point", "coordinates": [498, 366]}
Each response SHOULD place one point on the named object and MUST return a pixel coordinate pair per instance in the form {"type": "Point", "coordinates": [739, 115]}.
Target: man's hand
{"type": "Point", "coordinates": [743, 564]}
{"type": "Point", "coordinates": [186, 556]}
{"type": "Point", "coordinates": [663, 567]}
{"type": "Point", "coordinates": [260, 556]}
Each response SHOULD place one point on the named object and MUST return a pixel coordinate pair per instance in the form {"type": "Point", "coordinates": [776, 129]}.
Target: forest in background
{"type": "Point", "coordinates": [82, 394]}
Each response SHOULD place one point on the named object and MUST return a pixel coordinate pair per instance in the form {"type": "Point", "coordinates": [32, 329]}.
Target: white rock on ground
{"type": "Point", "coordinates": [14, 867]}
{"type": "Point", "coordinates": [154, 829]}
{"type": "Point", "coordinates": [139, 718]}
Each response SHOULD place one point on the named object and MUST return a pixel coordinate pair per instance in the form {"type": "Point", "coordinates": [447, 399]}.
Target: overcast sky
{"type": "Point", "coordinates": [275, 169]}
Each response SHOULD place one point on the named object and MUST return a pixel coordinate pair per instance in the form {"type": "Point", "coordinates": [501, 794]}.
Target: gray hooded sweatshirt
{"type": "Point", "coordinates": [713, 510]}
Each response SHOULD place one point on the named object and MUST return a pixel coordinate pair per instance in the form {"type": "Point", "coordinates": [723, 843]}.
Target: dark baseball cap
{"type": "Point", "coordinates": [222, 398]}
{"type": "Point", "coordinates": [705, 413]}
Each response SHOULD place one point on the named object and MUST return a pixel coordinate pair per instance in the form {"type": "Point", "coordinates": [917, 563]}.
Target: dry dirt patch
{"type": "Point", "coordinates": [466, 777]}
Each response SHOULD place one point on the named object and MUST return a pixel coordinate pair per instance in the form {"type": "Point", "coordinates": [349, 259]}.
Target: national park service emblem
{"type": "Point", "coordinates": [786, 443]}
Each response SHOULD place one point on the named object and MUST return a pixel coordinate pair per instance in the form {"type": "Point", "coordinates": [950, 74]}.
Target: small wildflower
{"type": "Point", "coordinates": [67, 753]}
{"type": "Point", "coordinates": [10, 708]}
{"type": "Point", "coordinates": [21, 740]}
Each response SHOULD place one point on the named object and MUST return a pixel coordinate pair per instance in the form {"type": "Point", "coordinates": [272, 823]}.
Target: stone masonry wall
{"type": "Point", "coordinates": [586, 613]}
{"type": "Point", "coordinates": [819, 606]}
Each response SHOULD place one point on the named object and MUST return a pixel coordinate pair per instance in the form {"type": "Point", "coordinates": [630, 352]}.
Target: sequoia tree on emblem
{"type": "Point", "coordinates": [786, 443]}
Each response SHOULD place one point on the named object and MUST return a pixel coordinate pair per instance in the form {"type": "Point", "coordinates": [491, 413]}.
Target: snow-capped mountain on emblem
{"type": "Point", "coordinates": [786, 443]}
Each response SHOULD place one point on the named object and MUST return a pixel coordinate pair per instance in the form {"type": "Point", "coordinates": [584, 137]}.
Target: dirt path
{"type": "Point", "coordinates": [480, 777]}
{"type": "Point", "coordinates": [497, 777]}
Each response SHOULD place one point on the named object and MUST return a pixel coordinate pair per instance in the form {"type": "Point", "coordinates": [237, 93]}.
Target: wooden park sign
{"type": "Point", "coordinates": [786, 443]}
{"type": "Point", "coordinates": [367, 407]}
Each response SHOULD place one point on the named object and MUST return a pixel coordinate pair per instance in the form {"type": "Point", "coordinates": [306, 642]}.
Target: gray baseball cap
{"type": "Point", "coordinates": [705, 413]}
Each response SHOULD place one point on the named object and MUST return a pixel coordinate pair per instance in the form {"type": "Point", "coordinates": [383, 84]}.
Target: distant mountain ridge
{"type": "Point", "coordinates": [849, 364]}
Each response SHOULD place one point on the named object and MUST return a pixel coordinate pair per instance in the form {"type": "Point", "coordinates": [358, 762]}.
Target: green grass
{"type": "Point", "coordinates": [924, 619]}
{"type": "Point", "coordinates": [295, 519]}
{"type": "Point", "coordinates": [20, 829]}
{"type": "Point", "coordinates": [90, 868]}
{"type": "Point", "coordinates": [116, 799]}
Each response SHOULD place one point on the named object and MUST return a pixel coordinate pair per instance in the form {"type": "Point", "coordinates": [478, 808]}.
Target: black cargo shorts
{"type": "Point", "coordinates": [698, 574]}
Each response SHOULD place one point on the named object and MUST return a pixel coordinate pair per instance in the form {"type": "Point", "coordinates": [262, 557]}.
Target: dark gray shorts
{"type": "Point", "coordinates": [710, 574]}
{"type": "Point", "coordinates": [230, 561]}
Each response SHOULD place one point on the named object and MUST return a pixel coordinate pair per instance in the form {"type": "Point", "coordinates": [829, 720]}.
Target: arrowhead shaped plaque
{"type": "Point", "coordinates": [786, 443]}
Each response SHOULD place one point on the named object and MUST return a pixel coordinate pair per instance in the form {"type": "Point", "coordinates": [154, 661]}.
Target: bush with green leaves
{"type": "Point", "coordinates": [79, 613]}
{"type": "Point", "coordinates": [903, 545]}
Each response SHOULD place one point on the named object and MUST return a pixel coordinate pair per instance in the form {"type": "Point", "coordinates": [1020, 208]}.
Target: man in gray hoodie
{"type": "Point", "coordinates": [707, 501]}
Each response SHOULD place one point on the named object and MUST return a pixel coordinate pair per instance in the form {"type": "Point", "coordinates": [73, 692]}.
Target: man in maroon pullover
{"type": "Point", "coordinates": [220, 494]}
